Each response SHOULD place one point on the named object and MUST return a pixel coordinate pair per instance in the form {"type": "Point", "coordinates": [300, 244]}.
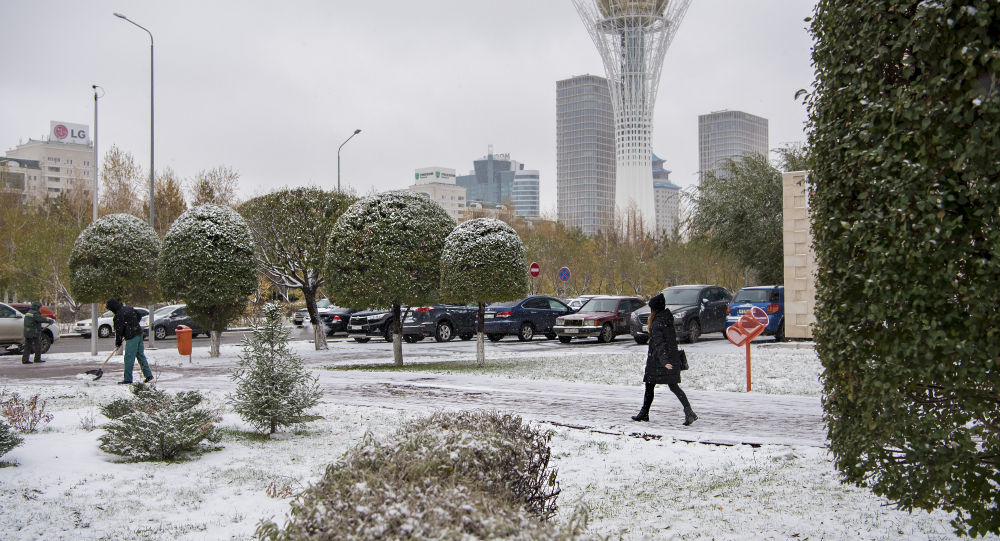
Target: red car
{"type": "Point", "coordinates": [605, 317]}
{"type": "Point", "coordinates": [23, 307]}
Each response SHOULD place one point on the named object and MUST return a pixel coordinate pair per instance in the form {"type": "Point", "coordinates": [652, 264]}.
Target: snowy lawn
{"type": "Point", "coordinates": [59, 485]}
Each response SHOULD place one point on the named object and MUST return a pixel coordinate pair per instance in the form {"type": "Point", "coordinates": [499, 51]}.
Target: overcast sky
{"type": "Point", "coordinates": [271, 89]}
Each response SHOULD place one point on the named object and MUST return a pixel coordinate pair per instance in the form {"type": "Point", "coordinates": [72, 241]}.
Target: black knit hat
{"type": "Point", "coordinates": [658, 303]}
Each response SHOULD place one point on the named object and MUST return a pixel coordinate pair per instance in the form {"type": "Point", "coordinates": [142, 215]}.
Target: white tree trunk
{"type": "Point", "coordinates": [215, 342]}
{"type": "Point", "coordinates": [480, 349]}
{"type": "Point", "coordinates": [319, 336]}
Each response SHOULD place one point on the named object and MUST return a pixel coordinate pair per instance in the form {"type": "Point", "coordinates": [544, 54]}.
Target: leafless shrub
{"type": "Point", "coordinates": [24, 415]}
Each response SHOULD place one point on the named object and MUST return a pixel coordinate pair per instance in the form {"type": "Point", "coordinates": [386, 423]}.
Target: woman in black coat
{"type": "Point", "coordinates": [660, 361]}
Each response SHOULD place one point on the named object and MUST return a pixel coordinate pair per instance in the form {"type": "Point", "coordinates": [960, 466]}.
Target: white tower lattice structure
{"type": "Point", "coordinates": [632, 37]}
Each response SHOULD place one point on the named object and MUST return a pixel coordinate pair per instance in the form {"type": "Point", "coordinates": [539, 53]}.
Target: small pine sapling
{"type": "Point", "coordinates": [273, 387]}
{"type": "Point", "coordinates": [8, 438]}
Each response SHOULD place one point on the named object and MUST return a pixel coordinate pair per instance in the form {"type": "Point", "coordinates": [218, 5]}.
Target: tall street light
{"type": "Point", "coordinates": [152, 169]}
{"type": "Point", "coordinates": [97, 177]}
{"type": "Point", "coordinates": [357, 131]}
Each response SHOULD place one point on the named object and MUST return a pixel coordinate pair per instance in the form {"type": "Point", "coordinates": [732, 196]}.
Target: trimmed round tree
{"type": "Point", "coordinates": [385, 250]}
{"type": "Point", "coordinates": [483, 261]}
{"type": "Point", "coordinates": [115, 256]}
{"type": "Point", "coordinates": [208, 261]}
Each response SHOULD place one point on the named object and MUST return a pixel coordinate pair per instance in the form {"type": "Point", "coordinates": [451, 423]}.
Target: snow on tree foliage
{"type": "Point", "coordinates": [154, 425]}
{"type": "Point", "coordinates": [273, 387]}
{"type": "Point", "coordinates": [483, 261]}
{"type": "Point", "coordinates": [385, 250]}
{"type": "Point", "coordinates": [8, 438]}
{"type": "Point", "coordinates": [208, 261]}
{"type": "Point", "coordinates": [115, 256]}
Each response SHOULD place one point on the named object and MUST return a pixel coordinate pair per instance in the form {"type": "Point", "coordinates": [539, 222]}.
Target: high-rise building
{"type": "Point", "coordinates": [667, 199]}
{"type": "Point", "coordinates": [585, 153]}
{"type": "Point", "coordinates": [438, 184]}
{"type": "Point", "coordinates": [632, 37]}
{"type": "Point", "coordinates": [728, 135]}
{"type": "Point", "coordinates": [64, 162]}
{"type": "Point", "coordinates": [491, 184]}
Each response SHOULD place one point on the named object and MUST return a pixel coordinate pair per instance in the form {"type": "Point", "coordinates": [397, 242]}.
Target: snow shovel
{"type": "Point", "coordinates": [100, 371]}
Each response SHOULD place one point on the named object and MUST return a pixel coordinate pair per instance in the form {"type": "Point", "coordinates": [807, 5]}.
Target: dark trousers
{"type": "Point", "coordinates": [32, 345]}
{"type": "Point", "coordinates": [647, 399]}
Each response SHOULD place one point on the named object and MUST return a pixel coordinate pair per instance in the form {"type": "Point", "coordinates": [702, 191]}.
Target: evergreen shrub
{"type": "Point", "coordinates": [154, 425]}
{"type": "Point", "coordinates": [905, 142]}
{"type": "Point", "coordinates": [477, 475]}
{"type": "Point", "coordinates": [8, 438]}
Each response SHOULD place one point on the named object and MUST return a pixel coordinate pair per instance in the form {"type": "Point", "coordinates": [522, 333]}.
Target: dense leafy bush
{"type": "Point", "coordinates": [905, 143]}
{"type": "Point", "coordinates": [116, 256]}
{"type": "Point", "coordinates": [273, 387]}
{"type": "Point", "coordinates": [154, 425]}
{"type": "Point", "coordinates": [208, 261]}
{"type": "Point", "coordinates": [8, 438]}
{"type": "Point", "coordinates": [452, 475]}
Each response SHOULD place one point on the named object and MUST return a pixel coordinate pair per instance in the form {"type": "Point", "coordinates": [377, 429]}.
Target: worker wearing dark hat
{"type": "Point", "coordinates": [33, 321]}
{"type": "Point", "coordinates": [127, 329]}
{"type": "Point", "coordinates": [662, 360]}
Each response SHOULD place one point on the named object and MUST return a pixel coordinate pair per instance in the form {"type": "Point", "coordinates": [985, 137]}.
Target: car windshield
{"type": "Point", "coordinates": [681, 296]}
{"type": "Point", "coordinates": [109, 313]}
{"type": "Point", "coordinates": [600, 305]}
{"type": "Point", "coordinates": [752, 295]}
{"type": "Point", "coordinates": [323, 303]}
{"type": "Point", "coordinates": [164, 312]}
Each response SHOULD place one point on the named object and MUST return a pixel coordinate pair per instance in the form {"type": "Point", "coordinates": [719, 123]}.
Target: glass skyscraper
{"type": "Point", "coordinates": [585, 153]}
{"type": "Point", "coordinates": [496, 180]}
{"type": "Point", "coordinates": [726, 135]}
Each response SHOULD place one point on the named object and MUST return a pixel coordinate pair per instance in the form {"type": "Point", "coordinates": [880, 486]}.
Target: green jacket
{"type": "Point", "coordinates": [33, 321]}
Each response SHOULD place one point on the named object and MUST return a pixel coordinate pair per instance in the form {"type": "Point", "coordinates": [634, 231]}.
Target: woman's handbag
{"type": "Point", "coordinates": [682, 360]}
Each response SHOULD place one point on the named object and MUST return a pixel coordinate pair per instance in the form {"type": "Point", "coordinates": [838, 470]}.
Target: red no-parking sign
{"type": "Point", "coordinates": [534, 269]}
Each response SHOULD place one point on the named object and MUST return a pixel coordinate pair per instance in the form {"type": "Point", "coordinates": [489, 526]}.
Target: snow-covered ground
{"type": "Point", "coordinates": [753, 466]}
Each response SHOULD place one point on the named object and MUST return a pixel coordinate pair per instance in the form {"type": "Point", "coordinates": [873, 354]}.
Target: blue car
{"type": "Point", "coordinates": [526, 317]}
{"type": "Point", "coordinates": [770, 299]}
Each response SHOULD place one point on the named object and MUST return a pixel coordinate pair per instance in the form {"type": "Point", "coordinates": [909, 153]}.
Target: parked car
{"type": "Point", "coordinates": [368, 324]}
{"type": "Point", "coordinates": [105, 323]}
{"type": "Point", "coordinates": [23, 307]}
{"type": "Point", "coordinates": [697, 309]}
{"type": "Point", "coordinates": [576, 302]}
{"type": "Point", "coordinates": [603, 317]}
{"type": "Point", "coordinates": [771, 299]}
{"type": "Point", "coordinates": [525, 317]}
{"type": "Point", "coordinates": [166, 320]}
{"type": "Point", "coordinates": [336, 318]}
{"type": "Point", "coordinates": [12, 330]}
{"type": "Point", "coordinates": [444, 322]}
{"type": "Point", "coordinates": [323, 306]}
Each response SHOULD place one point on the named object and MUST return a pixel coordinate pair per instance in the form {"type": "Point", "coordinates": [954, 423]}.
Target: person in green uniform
{"type": "Point", "coordinates": [33, 321]}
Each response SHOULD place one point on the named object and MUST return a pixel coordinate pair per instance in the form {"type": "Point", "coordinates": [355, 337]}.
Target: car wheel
{"type": "Point", "coordinates": [466, 336]}
{"type": "Point", "coordinates": [641, 340]}
{"type": "Point", "coordinates": [694, 331]}
{"type": "Point", "coordinates": [444, 332]}
{"type": "Point", "coordinates": [565, 339]}
{"type": "Point", "coordinates": [387, 334]}
{"type": "Point", "coordinates": [161, 332]}
{"type": "Point", "coordinates": [526, 333]}
{"type": "Point", "coordinates": [550, 336]}
{"type": "Point", "coordinates": [494, 337]}
{"type": "Point", "coordinates": [411, 338]}
{"type": "Point", "coordinates": [103, 331]}
{"type": "Point", "coordinates": [361, 339]}
{"type": "Point", "coordinates": [779, 335]}
{"type": "Point", "coordinates": [607, 334]}
{"type": "Point", "coordinates": [45, 342]}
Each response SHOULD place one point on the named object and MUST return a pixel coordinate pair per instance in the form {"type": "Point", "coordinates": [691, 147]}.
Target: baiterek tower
{"type": "Point", "coordinates": [632, 37]}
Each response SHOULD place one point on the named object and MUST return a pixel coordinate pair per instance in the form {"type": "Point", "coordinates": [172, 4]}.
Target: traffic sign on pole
{"type": "Point", "coordinates": [564, 274]}
{"type": "Point", "coordinates": [534, 269]}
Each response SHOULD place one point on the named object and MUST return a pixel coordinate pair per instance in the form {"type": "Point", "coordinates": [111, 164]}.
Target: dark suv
{"type": "Point", "coordinates": [697, 309]}
{"type": "Point", "coordinates": [336, 319]}
{"type": "Point", "coordinates": [443, 322]}
{"type": "Point", "coordinates": [367, 324]}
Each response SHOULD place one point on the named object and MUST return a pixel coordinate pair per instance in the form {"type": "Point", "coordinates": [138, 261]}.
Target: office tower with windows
{"type": "Point", "coordinates": [497, 180]}
{"type": "Point", "coordinates": [728, 135]}
{"type": "Point", "coordinates": [585, 153]}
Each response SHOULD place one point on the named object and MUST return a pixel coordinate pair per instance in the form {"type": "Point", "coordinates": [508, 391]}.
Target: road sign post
{"type": "Point", "coordinates": [534, 269]}
{"type": "Point", "coordinates": [745, 330]}
{"type": "Point", "coordinates": [564, 276]}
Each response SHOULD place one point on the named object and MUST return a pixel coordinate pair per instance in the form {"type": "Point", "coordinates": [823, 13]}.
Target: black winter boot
{"type": "Point", "coordinates": [643, 415]}
{"type": "Point", "coordinates": [689, 416]}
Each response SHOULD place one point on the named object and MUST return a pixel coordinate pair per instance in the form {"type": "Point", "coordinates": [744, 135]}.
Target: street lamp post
{"type": "Point", "coordinates": [152, 169]}
{"type": "Point", "coordinates": [357, 131]}
{"type": "Point", "coordinates": [97, 176]}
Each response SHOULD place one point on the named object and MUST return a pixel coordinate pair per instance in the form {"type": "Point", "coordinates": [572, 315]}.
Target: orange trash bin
{"type": "Point", "coordinates": [183, 339]}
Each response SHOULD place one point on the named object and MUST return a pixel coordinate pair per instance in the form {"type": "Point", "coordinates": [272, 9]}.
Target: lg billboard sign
{"type": "Point", "coordinates": [64, 132]}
